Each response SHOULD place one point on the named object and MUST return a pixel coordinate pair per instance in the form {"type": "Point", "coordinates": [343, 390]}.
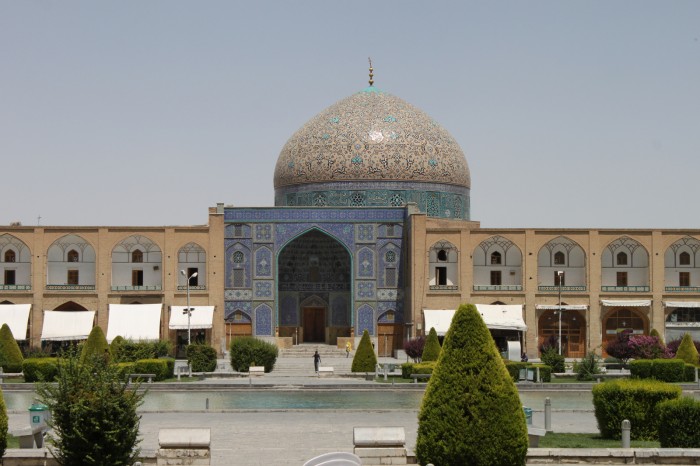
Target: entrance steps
{"type": "Point", "coordinates": [298, 360]}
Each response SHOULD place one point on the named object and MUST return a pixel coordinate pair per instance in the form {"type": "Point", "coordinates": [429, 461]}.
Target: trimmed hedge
{"type": "Point", "coordinates": [3, 425]}
{"type": "Point", "coordinates": [424, 367]}
{"type": "Point", "coordinates": [202, 358]}
{"type": "Point", "coordinates": [431, 350]}
{"type": "Point", "coordinates": [10, 354]}
{"type": "Point", "coordinates": [678, 423]}
{"type": "Point", "coordinates": [129, 351]}
{"type": "Point", "coordinates": [40, 369]}
{"type": "Point", "coordinates": [687, 350]}
{"type": "Point", "coordinates": [471, 413]}
{"type": "Point", "coordinates": [635, 400]}
{"type": "Point", "coordinates": [514, 368]}
{"type": "Point", "coordinates": [365, 360]}
{"type": "Point", "coordinates": [689, 373]}
{"type": "Point", "coordinates": [159, 367]}
{"type": "Point", "coordinates": [407, 370]}
{"type": "Point", "coordinates": [665, 370]}
{"type": "Point", "coordinates": [125, 368]}
{"type": "Point", "coordinates": [251, 351]}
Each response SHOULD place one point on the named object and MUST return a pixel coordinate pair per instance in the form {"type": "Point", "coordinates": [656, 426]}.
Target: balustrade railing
{"type": "Point", "coordinates": [498, 288]}
{"type": "Point", "coordinates": [16, 287]}
{"type": "Point", "coordinates": [555, 288]}
{"type": "Point", "coordinates": [136, 288]}
{"type": "Point", "coordinates": [70, 287]}
{"type": "Point", "coordinates": [623, 289]}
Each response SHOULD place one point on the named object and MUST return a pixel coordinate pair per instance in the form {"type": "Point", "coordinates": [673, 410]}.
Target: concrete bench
{"type": "Point", "coordinates": [256, 371]}
{"type": "Point", "coordinates": [325, 371]}
{"type": "Point", "coordinates": [148, 377]}
{"type": "Point", "coordinates": [415, 377]}
{"type": "Point", "coordinates": [380, 445]}
{"type": "Point", "coordinates": [184, 446]}
{"type": "Point", "coordinates": [28, 437]}
{"type": "Point", "coordinates": [534, 434]}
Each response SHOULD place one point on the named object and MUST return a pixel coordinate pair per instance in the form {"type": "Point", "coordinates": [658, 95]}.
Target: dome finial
{"type": "Point", "coordinates": [371, 72]}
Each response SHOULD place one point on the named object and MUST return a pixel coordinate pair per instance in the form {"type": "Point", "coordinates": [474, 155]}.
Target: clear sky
{"type": "Point", "coordinates": [572, 114]}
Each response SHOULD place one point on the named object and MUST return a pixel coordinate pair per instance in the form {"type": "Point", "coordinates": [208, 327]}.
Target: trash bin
{"type": "Point", "coordinates": [39, 414]}
{"type": "Point", "coordinates": [528, 415]}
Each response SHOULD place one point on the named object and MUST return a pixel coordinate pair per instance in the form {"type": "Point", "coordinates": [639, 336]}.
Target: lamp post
{"type": "Point", "coordinates": [188, 309]}
{"type": "Point", "coordinates": [560, 273]}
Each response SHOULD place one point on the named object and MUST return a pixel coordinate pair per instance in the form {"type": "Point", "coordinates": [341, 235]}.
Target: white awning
{"type": "Point", "coordinates": [502, 316]}
{"type": "Point", "coordinates": [626, 302]}
{"type": "Point", "coordinates": [681, 304]}
{"type": "Point", "coordinates": [135, 322]}
{"type": "Point", "coordinates": [565, 307]}
{"type": "Point", "coordinates": [496, 317]}
{"type": "Point", "coordinates": [67, 325]}
{"type": "Point", "coordinates": [439, 319]}
{"type": "Point", "coordinates": [201, 317]}
{"type": "Point", "coordinates": [16, 316]}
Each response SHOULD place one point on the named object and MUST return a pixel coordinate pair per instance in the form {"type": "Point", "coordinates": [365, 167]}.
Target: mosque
{"type": "Point", "coordinates": [371, 230]}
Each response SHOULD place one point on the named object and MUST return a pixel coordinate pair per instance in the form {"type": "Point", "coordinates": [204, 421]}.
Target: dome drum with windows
{"type": "Point", "coordinates": [374, 149]}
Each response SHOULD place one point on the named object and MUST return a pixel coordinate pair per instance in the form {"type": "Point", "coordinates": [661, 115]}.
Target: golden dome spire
{"type": "Point", "coordinates": [371, 72]}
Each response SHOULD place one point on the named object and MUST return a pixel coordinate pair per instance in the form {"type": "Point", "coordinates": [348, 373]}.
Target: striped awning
{"type": "Point", "coordinates": [626, 302]}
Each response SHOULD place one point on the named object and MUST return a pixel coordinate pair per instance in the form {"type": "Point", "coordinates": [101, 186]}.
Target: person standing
{"type": "Point", "coordinates": [348, 347]}
{"type": "Point", "coordinates": [317, 360]}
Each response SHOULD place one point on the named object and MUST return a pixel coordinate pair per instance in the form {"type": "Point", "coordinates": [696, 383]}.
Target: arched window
{"type": "Point", "coordinates": [238, 257]}
{"type": "Point", "coordinates": [442, 255]}
{"type": "Point", "coordinates": [10, 256]}
{"type": "Point", "coordinates": [621, 258]}
{"type": "Point", "coordinates": [559, 258]}
{"type": "Point", "coordinates": [137, 256]}
{"type": "Point", "coordinates": [684, 258]}
{"type": "Point", "coordinates": [496, 258]}
{"type": "Point", "coordinates": [73, 256]}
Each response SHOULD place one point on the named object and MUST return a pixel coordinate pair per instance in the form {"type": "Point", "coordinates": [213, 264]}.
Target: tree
{"type": "Point", "coordinates": [414, 348]}
{"type": "Point", "coordinates": [10, 355]}
{"type": "Point", "coordinates": [687, 350]}
{"type": "Point", "coordinates": [365, 360]}
{"type": "Point", "coordinates": [3, 425]}
{"type": "Point", "coordinates": [431, 351]}
{"type": "Point", "coordinates": [471, 411]}
{"type": "Point", "coordinates": [96, 345]}
{"type": "Point", "coordinates": [647, 347]}
{"type": "Point", "coordinates": [619, 347]}
{"type": "Point", "coordinates": [655, 333]}
{"type": "Point", "coordinates": [93, 413]}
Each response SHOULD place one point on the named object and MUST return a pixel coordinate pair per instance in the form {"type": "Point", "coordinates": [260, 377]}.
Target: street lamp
{"type": "Point", "coordinates": [560, 273]}
{"type": "Point", "coordinates": [188, 309]}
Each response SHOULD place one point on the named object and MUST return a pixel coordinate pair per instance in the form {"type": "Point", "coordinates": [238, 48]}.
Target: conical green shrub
{"type": "Point", "coordinates": [687, 350]}
{"type": "Point", "coordinates": [655, 333]}
{"type": "Point", "coordinates": [471, 412]}
{"type": "Point", "coordinates": [96, 345]}
{"type": "Point", "coordinates": [11, 358]}
{"type": "Point", "coordinates": [431, 350]}
{"type": "Point", "coordinates": [3, 425]}
{"type": "Point", "coordinates": [365, 360]}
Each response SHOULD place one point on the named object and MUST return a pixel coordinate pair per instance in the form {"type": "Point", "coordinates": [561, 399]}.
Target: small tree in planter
{"type": "Point", "coordinates": [471, 411]}
{"type": "Point", "coordinates": [365, 360]}
{"type": "Point", "coordinates": [431, 352]}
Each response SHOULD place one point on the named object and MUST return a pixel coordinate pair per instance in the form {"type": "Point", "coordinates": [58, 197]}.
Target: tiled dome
{"type": "Point", "coordinates": [371, 136]}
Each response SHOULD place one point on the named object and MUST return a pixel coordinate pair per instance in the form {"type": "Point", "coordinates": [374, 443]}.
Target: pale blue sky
{"type": "Point", "coordinates": [571, 113]}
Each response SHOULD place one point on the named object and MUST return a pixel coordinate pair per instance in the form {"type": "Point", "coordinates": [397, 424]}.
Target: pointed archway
{"type": "Point", "coordinates": [314, 280]}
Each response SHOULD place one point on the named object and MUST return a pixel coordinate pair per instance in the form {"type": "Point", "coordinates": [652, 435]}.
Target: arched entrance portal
{"type": "Point", "coordinates": [573, 331]}
{"type": "Point", "coordinates": [314, 277]}
{"type": "Point", "coordinates": [623, 320]}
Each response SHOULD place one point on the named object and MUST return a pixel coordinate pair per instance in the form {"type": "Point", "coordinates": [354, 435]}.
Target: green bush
{"type": "Point", "coordinates": [431, 350]}
{"type": "Point", "coordinates": [159, 367]}
{"type": "Point", "coordinates": [634, 400]}
{"type": "Point", "coordinates": [689, 373]}
{"type": "Point", "coordinates": [40, 369]}
{"type": "Point", "coordinates": [124, 369]}
{"type": "Point", "coordinates": [514, 369]}
{"type": "Point", "coordinates": [251, 351]}
{"type": "Point", "coordinates": [678, 423]}
{"type": "Point", "coordinates": [545, 372]}
{"type": "Point", "coordinates": [641, 368]}
{"type": "Point", "coordinates": [407, 370]}
{"type": "Point", "coordinates": [3, 425]}
{"type": "Point", "coordinates": [553, 359]}
{"type": "Point", "coordinates": [668, 370]}
{"type": "Point", "coordinates": [115, 348]}
{"type": "Point", "coordinates": [95, 345]}
{"type": "Point", "coordinates": [424, 367]}
{"type": "Point", "coordinates": [588, 367]}
{"type": "Point", "coordinates": [687, 350]}
{"type": "Point", "coordinates": [129, 351]}
{"type": "Point", "coordinates": [202, 358]}
{"type": "Point", "coordinates": [365, 360]}
{"type": "Point", "coordinates": [471, 412]}
{"type": "Point", "coordinates": [655, 333]}
{"type": "Point", "coordinates": [10, 354]}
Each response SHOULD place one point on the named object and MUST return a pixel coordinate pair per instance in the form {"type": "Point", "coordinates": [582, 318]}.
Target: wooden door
{"type": "Point", "coordinates": [314, 324]}
{"type": "Point", "coordinates": [389, 337]}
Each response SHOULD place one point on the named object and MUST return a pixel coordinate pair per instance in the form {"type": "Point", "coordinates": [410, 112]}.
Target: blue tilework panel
{"type": "Point", "coordinates": [365, 319]}
{"type": "Point", "coordinates": [237, 231]}
{"type": "Point", "coordinates": [263, 320]}
{"type": "Point", "coordinates": [365, 263]}
{"type": "Point", "coordinates": [339, 311]}
{"type": "Point", "coordinates": [365, 233]}
{"type": "Point", "coordinates": [384, 307]}
{"type": "Point", "coordinates": [364, 290]}
{"type": "Point", "coordinates": [263, 262]}
{"type": "Point", "coordinates": [238, 258]}
{"type": "Point", "coordinates": [238, 295]}
{"type": "Point", "coordinates": [263, 289]}
{"type": "Point", "coordinates": [306, 215]}
{"type": "Point", "coordinates": [341, 232]}
{"type": "Point", "coordinates": [263, 233]}
{"type": "Point", "coordinates": [288, 310]}
{"type": "Point", "coordinates": [233, 306]}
